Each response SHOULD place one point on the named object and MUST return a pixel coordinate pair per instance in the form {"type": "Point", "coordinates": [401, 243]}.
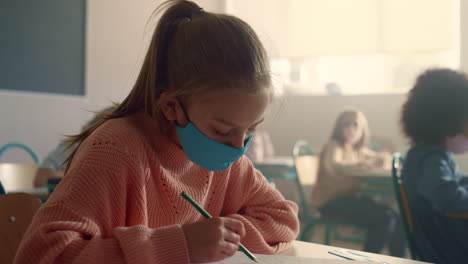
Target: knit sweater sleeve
{"type": "Point", "coordinates": [270, 221]}
{"type": "Point", "coordinates": [87, 218]}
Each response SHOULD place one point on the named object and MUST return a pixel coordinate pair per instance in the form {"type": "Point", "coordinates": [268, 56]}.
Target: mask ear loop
{"type": "Point", "coordinates": [185, 111]}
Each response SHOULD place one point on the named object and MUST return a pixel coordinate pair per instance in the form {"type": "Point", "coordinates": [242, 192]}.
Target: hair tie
{"type": "Point", "coordinates": [195, 12]}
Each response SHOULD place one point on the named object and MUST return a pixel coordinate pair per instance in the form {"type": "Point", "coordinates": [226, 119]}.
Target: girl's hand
{"type": "Point", "coordinates": [365, 165]}
{"type": "Point", "coordinates": [380, 163]}
{"type": "Point", "coordinates": [213, 239]}
{"type": "Point", "coordinates": [385, 160]}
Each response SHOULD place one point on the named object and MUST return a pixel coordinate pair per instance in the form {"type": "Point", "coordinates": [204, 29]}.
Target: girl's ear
{"type": "Point", "coordinates": [168, 106]}
{"type": "Point", "coordinates": [172, 110]}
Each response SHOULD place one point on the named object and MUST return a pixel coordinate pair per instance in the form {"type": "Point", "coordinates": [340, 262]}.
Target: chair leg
{"type": "Point", "coordinates": [328, 233]}
{"type": "Point", "coordinates": [412, 252]}
{"type": "Point", "coordinates": [307, 232]}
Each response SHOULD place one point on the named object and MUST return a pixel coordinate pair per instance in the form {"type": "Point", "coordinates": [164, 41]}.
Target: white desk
{"type": "Point", "coordinates": [311, 250]}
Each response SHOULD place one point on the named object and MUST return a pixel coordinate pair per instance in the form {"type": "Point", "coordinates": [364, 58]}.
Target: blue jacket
{"type": "Point", "coordinates": [435, 187]}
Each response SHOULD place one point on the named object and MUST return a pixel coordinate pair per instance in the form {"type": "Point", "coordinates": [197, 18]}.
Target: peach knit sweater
{"type": "Point", "coordinates": [120, 202]}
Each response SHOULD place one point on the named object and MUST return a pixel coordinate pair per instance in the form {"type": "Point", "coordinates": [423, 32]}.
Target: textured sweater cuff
{"type": "Point", "coordinates": [171, 244]}
{"type": "Point", "coordinates": [160, 245]}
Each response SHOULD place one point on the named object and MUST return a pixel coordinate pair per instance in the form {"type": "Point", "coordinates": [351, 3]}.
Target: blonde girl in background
{"type": "Point", "coordinates": [343, 160]}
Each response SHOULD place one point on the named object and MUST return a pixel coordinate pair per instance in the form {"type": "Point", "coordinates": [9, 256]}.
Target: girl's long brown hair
{"type": "Point", "coordinates": [191, 52]}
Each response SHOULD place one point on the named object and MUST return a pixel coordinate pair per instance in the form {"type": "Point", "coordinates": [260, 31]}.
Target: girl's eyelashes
{"type": "Point", "coordinates": [227, 132]}
{"type": "Point", "coordinates": [221, 133]}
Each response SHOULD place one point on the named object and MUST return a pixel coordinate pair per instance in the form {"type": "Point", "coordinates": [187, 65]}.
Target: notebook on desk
{"type": "Point", "coordinates": [240, 258]}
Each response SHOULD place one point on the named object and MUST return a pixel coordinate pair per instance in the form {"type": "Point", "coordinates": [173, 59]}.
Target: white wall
{"type": "Point", "coordinates": [464, 35]}
{"type": "Point", "coordinates": [463, 160]}
{"type": "Point", "coordinates": [373, 51]}
{"type": "Point", "coordinates": [115, 45]}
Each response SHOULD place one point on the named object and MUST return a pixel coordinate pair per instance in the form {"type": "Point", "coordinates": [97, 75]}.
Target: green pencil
{"type": "Point", "coordinates": [207, 215]}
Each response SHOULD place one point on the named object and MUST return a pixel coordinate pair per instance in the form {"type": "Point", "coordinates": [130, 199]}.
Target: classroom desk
{"type": "Point", "coordinates": [377, 183]}
{"type": "Point", "coordinates": [312, 250]}
{"type": "Point", "coordinates": [277, 168]}
{"type": "Point", "coordinates": [42, 193]}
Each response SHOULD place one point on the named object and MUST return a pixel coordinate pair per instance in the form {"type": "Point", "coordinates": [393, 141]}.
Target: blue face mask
{"type": "Point", "coordinates": [206, 152]}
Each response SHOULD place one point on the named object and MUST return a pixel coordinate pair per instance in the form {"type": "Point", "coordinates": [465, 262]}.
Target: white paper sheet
{"type": "Point", "coordinates": [240, 258]}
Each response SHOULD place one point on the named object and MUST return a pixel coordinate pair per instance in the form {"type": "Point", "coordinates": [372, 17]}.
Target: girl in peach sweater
{"type": "Point", "coordinates": [203, 88]}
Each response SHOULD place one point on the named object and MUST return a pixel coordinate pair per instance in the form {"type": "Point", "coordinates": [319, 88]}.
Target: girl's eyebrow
{"type": "Point", "coordinates": [225, 122]}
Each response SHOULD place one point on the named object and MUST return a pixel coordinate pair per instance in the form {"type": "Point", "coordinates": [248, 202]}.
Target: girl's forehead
{"type": "Point", "coordinates": [238, 108]}
{"type": "Point", "coordinates": [226, 98]}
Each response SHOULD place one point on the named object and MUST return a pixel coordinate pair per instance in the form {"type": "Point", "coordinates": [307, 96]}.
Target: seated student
{"type": "Point", "coordinates": [203, 88]}
{"type": "Point", "coordinates": [261, 147]}
{"type": "Point", "coordinates": [435, 119]}
{"type": "Point", "coordinates": [336, 193]}
{"type": "Point", "coordinates": [54, 165]}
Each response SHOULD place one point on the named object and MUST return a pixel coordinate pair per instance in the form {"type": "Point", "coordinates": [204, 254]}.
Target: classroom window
{"type": "Point", "coordinates": [353, 47]}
